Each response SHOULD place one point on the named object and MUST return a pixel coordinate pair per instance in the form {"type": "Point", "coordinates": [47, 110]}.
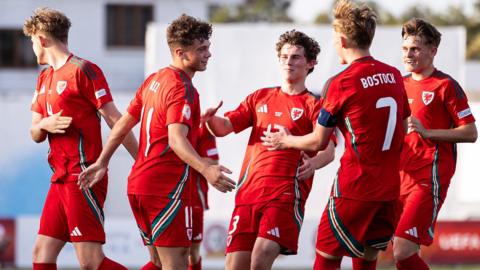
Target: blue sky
{"type": "Point", "coordinates": [306, 10]}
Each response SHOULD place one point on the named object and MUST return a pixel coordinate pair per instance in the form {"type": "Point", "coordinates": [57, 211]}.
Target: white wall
{"type": "Point", "coordinates": [123, 67]}
{"type": "Point", "coordinates": [473, 80]}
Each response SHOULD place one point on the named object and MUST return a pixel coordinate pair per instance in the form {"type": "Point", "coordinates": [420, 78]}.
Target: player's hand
{"type": "Point", "coordinates": [414, 125]}
{"type": "Point", "coordinates": [210, 112]}
{"type": "Point", "coordinates": [216, 177]}
{"type": "Point", "coordinates": [56, 123]}
{"type": "Point", "coordinates": [91, 175]}
{"type": "Point", "coordinates": [306, 169]}
{"type": "Point", "coordinates": [276, 140]}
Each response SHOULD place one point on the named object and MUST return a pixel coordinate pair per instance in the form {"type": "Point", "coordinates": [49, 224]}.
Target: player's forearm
{"type": "Point", "coordinates": [37, 133]}
{"type": "Point", "coordinates": [307, 142]}
{"type": "Point", "coordinates": [184, 150]}
{"type": "Point", "coordinates": [466, 133]}
{"type": "Point", "coordinates": [131, 144]}
{"type": "Point", "coordinates": [323, 158]}
{"type": "Point", "coordinates": [219, 126]}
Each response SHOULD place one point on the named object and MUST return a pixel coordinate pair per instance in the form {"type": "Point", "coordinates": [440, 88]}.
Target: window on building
{"type": "Point", "coordinates": [126, 24]}
{"type": "Point", "coordinates": [16, 49]}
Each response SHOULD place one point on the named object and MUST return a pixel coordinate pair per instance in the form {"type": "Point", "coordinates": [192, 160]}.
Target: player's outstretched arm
{"type": "Point", "coordinates": [218, 126]}
{"type": "Point", "coordinates": [111, 115]}
{"type": "Point", "coordinates": [464, 133]}
{"type": "Point", "coordinates": [177, 139]}
{"type": "Point", "coordinates": [96, 171]}
{"type": "Point", "coordinates": [52, 124]}
{"type": "Point", "coordinates": [310, 164]}
{"type": "Point", "coordinates": [315, 141]}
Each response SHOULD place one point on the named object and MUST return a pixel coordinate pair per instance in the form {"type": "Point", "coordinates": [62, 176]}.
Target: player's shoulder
{"type": "Point", "coordinates": [87, 68]}
{"type": "Point", "coordinates": [335, 79]}
{"type": "Point", "coordinates": [448, 81]}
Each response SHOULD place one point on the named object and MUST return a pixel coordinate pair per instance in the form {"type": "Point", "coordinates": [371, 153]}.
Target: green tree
{"type": "Point", "coordinates": [253, 11]}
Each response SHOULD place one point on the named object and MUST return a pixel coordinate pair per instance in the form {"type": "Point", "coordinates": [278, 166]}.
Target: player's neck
{"type": "Point", "coordinates": [293, 88]}
{"type": "Point", "coordinates": [354, 54]}
{"type": "Point", "coordinates": [185, 69]}
{"type": "Point", "coordinates": [57, 56]}
{"type": "Point", "coordinates": [423, 74]}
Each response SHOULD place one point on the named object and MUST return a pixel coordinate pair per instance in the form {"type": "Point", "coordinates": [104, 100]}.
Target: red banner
{"type": "Point", "coordinates": [7, 242]}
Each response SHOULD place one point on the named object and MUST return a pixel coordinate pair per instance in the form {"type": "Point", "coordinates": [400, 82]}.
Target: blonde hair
{"type": "Point", "coordinates": [49, 21]}
{"type": "Point", "coordinates": [356, 22]}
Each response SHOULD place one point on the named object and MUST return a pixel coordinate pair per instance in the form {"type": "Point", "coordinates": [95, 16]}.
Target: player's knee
{"type": "Point", "coordinates": [263, 257]}
{"type": "Point", "coordinates": [402, 251]}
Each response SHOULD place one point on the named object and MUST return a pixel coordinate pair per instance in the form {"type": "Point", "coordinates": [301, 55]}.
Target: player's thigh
{"type": "Point", "coordinates": [419, 215]}
{"type": "Point", "coordinates": [344, 226]}
{"type": "Point", "coordinates": [243, 229]}
{"type": "Point", "coordinates": [53, 221]}
{"type": "Point", "coordinates": [265, 251]}
{"type": "Point", "coordinates": [280, 222]}
{"type": "Point", "coordinates": [84, 211]}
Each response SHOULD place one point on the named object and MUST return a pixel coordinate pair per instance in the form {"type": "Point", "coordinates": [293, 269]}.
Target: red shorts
{"type": "Point", "coordinates": [347, 226]}
{"type": "Point", "coordinates": [197, 218]}
{"type": "Point", "coordinates": [162, 222]}
{"type": "Point", "coordinates": [419, 216]}
{"type": "Point", "coordinates": [74, 215]}
{"type": "Point", "coordinates": [278, 221]}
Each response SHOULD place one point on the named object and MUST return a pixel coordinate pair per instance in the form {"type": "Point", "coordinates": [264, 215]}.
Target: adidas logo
{"type": "Point", "coordinates": [274, 232]}
{"type": "Point", "coordinates": [263, 109]}
{"type": "Point", "coordinates": [76, 232]}
{"type": "Point", "coordinates": [412, 232]}
{"type": "Point", "coordinates": [198, 237]}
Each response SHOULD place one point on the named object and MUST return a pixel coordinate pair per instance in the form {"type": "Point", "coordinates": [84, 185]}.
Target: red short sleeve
{"type": "Point", "coordinates": [207, 145]}
{"type": "Point", "coordinates": [456, 103]}
{"type": "Point", "coordinates": [180, 105]}
{"type": "Point", "coordinates": [93, 85]}
{"type": "Point", "coordinates": [242, 117]}
{"type": "Point", "coordinates": [332, 98]}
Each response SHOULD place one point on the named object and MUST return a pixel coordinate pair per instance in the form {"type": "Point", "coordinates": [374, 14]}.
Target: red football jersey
{"type": "Point", "coordinates": [206, 147]}
{"type": "Point", "coordinates": [166, 97]}
{"type": "Point", "coordinates": [369, 102]}
{"type": "Point", "coordinates": [439, 103]}
{"type": "Point", "coordinates": [268, 175]}
{"type": "Point", "coordinates": [78, 89]}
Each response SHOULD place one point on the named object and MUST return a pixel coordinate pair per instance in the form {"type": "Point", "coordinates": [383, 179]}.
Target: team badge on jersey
{"type": "Point", "coordinates": [427, 97]}
{"type": "Point", "coordinates": [296, 113]}
{"type": "Point", "coordinates": [187, 112]}
{"type": "Point", "coordinates": [61, 85]}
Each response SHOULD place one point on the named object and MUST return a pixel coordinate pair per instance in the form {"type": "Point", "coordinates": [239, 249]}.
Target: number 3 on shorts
{"type": "Point", "coordinates": [234, 224]}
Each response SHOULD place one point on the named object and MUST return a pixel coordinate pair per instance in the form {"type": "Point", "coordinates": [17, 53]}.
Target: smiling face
{"type": "Point", "coordinates": [293, 63]}
{"type": "Point", "coordinates": [417, 56]}
{"type": "Point", "coordinates": [195, 56]}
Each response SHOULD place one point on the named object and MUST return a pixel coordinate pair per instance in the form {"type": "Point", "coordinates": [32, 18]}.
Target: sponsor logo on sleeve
{"type": "Point", "coordinates": [464, 113]}
{"type": "Point", "coordinates": [61, 85]}
{"type": "Point", "coordinates": [187, 112]}
{"type": "Point", "coordinates": [427, 97]}
{"type": "Point", "coordinates": [212, 152]}
{"type": "Point", "coordinates": [100, 93]}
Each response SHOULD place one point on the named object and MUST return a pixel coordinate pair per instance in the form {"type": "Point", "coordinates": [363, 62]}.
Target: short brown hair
{"type": "Point", "coordinates": [186, 29]}
{"type": "Point", "coordinates": [49, 21]}
{"type": "Point", "coordinates": [357, 22]}
{"type": "Point", "coordinates": [297, 38]}
{"type": "Point", "coordinates": [424, 29]}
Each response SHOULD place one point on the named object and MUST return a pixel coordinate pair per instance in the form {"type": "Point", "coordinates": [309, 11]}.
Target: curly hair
{"type": "Point", "coordinates": [49, 21]}
{"type": "Point", "coordinates": [297, 38]}
{"type": "Point", "coordinates": [185, 30]}
{"type": "Point", "coordinates": [424, 29]}
{"type": "Point", "coordinates": [357, 22]}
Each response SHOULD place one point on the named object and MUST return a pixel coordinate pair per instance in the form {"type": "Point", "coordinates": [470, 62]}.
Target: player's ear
{"type": "Point", "coordinates": [343, 41]}
{"type": "Point", "coordinates": [43, 40]}
{"type": "Point", "coordinates": [434, 51]}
